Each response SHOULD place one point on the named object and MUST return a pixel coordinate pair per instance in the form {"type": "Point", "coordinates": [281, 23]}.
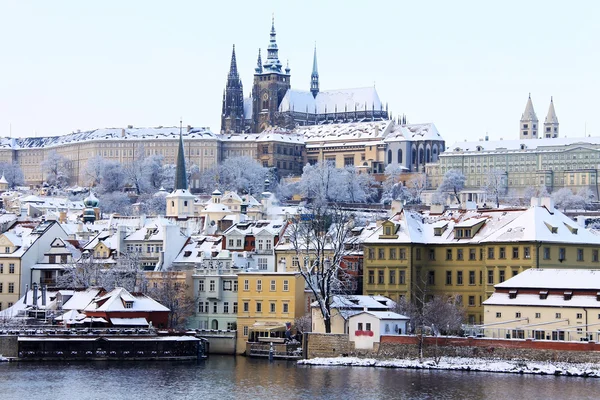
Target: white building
{"type": "Point", "coordinates": [367, 327]}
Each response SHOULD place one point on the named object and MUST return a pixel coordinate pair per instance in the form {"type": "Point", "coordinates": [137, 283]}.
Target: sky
{"type": "Point", "coordinates": [466, 66]}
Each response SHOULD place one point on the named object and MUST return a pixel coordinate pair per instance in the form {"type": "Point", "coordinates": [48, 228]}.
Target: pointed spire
{"type": "Point", "coordinates": [259, 67]}
{"type": "Point", "coordinates": [551, 118]}
{"type": "Point", "coordinates": [273, 64]}
{"type": "Point", "coordinates": [529, 122]}
{"type": "Point", "coordinates": [180, 174]}
{"type": "Point", "coordinates": [314, 77]}
{"type": "Point", "coordinates": [529, 114]}
{"type": "Point", "coordinates": [287, 67]}
{"type": "Point", "coordinates": [233, 72]}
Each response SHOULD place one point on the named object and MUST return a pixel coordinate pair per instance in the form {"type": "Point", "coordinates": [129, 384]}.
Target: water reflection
{"type": "Point", "coordinates": [241, 378]}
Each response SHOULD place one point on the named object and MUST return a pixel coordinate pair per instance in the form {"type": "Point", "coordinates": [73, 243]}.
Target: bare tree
{"type": "Point", "coordinates": [173, 294]}
{"type": "Point", "coordinates": [55, 168]}
{"type": "Point", "coordinates": [137, 171]}
{"type": "Point", "coordinates": [304, 323]}
{"type": "Point", "coordinates": [319, 244]}
{"type": "Point", "coordinates": [495, 185]}
{"type": "Point", "coordinates": [81, 274]}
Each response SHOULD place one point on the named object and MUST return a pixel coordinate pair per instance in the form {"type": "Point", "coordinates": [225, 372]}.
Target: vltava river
{"type": "Point", "coordinates": [222, 377]}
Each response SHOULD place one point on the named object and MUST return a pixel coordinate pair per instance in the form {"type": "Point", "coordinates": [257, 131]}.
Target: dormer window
{"type": "Point", "coordinates": [129, 304]}
{"type": "Point", "coordinates": [388, 231]}
{"type": "Point", "coordinates": [568, 295]}
{"type": "Point", "coordinates": [512, 294]}
{"type": "Point", "coordinates": [543, 295]}
{"type": "Point", "coordinates": [7, 249]}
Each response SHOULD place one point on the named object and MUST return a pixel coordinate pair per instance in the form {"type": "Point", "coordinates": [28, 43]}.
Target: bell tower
{"type": "Point", "coordinates": [271, 82]}
{"type": "Point", "coordinates": [232, 116]}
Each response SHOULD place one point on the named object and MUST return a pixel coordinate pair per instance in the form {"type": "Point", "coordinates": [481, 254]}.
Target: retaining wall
{"type": "Point", "coordinates": [326, 345]}
{"type": "Point", "coordinates": [9, 346]}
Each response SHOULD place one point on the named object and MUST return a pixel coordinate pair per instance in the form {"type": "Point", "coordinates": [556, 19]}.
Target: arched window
{"type": "Point", "coordinates": [414, 155]}
{"type": "Point", "coordinates": [421, 156]}
{"type": "Point", "coordinates": [428, 155]}
{"type": "Point", "coordinates": [389, 156]}
{"type": "Point", "coordinates": [399, 156]}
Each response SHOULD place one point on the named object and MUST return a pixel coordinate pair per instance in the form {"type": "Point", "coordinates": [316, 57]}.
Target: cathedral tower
{"type": "Point", "coordinates": [529, 122]}
{"type": "Point", "coordinates": [232, 116]}
{"type": "Point", "coordinates": [551, 122]}
{"type": "Point", "coordinates": [270, 85]}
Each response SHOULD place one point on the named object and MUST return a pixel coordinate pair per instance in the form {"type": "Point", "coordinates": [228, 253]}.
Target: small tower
{"type": "Point", "coordinates": [551, 122]}
{"type": "Point", "coordinates": [314, 77]}
{"type": "Point", "coordinates": [529, 122]}
{"type": "Point", "coordinates": [91, 210]}
{"type": "Point", "coordinates": [180, 203]}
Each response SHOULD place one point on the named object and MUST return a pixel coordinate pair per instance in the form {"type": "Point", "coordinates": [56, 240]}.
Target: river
{"type": "Point", "coordinates": [222, 377]}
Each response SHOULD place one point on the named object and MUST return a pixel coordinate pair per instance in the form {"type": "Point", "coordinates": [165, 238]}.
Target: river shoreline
{"type": "Point", "coordinates": [587, 370]}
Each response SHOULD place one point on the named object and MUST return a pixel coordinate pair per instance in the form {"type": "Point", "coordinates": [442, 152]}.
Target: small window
{"type": "Point", "coordinates": [538, 315]}
{"type": "Point", "coordinates": [518, 315]}
{"type": "Point", "coordinates": [286, 307]}
{"type": "Point", "coordinates": [579, 316]}
{"type": "Point", "coordinates": [498, 315]}
{"type": "Point", "coordinates": [557, 315]}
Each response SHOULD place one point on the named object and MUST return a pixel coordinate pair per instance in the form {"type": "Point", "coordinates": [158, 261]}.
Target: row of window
{"type": "Point", "coordinates": [393, 254]}
{"type": "Point", "coordinates": [204, 307]}
{"type": "Point", "coordinates": [431, 277]}
{"type": "Point", "coordinates": [149, 248]}
{"type": "Point", "coordinates": [272, 286]}
{"type": "Point", "coordinates": [11, 287]}
{"type": "Point", "coordinates": [538, 315]}
{"type": "Point", "coordinates": [391, 277]}
{"type": "Point", "coordinates": [11, 268]}
{"type": "Point", "coordinates": [227, 285]}
{"type": "Point", "coordinates": [285, 307]}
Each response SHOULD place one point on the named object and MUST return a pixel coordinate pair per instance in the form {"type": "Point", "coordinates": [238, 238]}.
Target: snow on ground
{"type": "Point", "coordinates": [467, 364]}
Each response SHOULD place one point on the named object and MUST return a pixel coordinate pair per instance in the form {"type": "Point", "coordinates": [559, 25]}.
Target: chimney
{"type": "Point", "coordinates": [44, 288]}
{"type": "Point", "coordinates": [548, 203]}
{"type": "Point", "coordinates": [26, 292]}
{"type": "Point", "coordinates": [189, 128]}
{"type": "Point", "coordinates": [62, 217]}
{"type": "Point", "coordinates": [122, 132]}
{"type": "Point", "coordinates": [35, 293]}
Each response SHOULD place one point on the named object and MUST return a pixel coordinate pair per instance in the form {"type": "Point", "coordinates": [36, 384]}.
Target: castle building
{"type": "Point", "coordinates": [273, 102]}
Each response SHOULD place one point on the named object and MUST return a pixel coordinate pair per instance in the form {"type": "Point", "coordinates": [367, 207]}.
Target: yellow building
{"type": "Point", "coordinates": [545, 304]}
{"type": "Point", "coordinates": [11, 251]}
{"type": "Point", "coordinates": [266, 302]}
{"type": "Point", "coordinates": [465, 253]}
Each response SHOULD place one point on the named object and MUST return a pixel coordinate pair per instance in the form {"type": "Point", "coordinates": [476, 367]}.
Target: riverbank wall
{"type": "Point", "coordinates": [403, 347]}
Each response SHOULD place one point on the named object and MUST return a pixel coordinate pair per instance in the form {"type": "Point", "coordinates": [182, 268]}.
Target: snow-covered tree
{"type": "Point", "coordinates": [113, 177]}
{"type": "Point", "coordinates": [81, 274]}
{"type": "Point", "coordinates": [495, 185]}
{"type": "Point", "coordinates": [13, 174]}
{"type": "Point", "coordinates": [137, 172]}
{"type": "Point", "coordinates": [393, 189]}
{"type": "Point", "coordinates": [152, 205]}
{"type": "Point", "coordinates": [416, 187]}
{"type": "Point", "coordinates": [168, 176]}
{"type": "Point", "coordinates": [565, 198]}
{"type": "Point", "coordinates": [529, 192]}
{"type": "Point", "coordinates": [453, 183]}
{"type": "Point", "coordinates": [319, 245]}
{"type": "Point", "coordinates": [55, 168]}
{"type": "Point", "coordinates": [359, 188]}
{"type": "Point", "coordinates": [115, 202]}
{"type": "Point", "coordinates": [240, 174]}
{"type": "Point", "coordinates": [94, 170]}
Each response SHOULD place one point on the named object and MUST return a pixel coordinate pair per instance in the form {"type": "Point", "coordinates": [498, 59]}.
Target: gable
{"type": "Point", "coordinates": [58, 242]}
{"type": "Point", "coordinates": [5, 242]}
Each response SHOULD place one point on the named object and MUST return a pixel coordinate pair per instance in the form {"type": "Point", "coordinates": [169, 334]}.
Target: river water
{"type": "Point", "coordinates": [223, 377]}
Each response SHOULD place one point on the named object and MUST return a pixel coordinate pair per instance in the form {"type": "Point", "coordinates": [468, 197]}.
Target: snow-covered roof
{"type": "Point", "coordinates": [413, 132]}
{"type": "Point", "coordinates": [272, 227]}
{"type": "Point", "coordinates": [553, 300]}
{"type": "Point", "coordinates": [359, 99]}
{"type": "Point", "coordinates": [564, 278]}
{"type": "Point", "coordinates": [360, 302]}
{"type": "Point", "coordinates": [356, 131]}
{"type": "Point", "coordinates": [542, 144]}
{"type": "Point", "coordinates": [116, 300]}
{"type": "Point", "coordinates": [385, 315]}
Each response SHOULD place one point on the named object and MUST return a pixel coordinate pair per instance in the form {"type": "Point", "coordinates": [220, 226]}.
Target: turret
{"type": "Point", "coordinates": [314, 77]}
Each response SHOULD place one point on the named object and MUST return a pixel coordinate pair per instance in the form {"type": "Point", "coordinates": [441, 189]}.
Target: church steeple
{"type": "Point", "coordinates": [180, 174]}
{"type": "Point", "coordinates": [273, 64]}
{"type": "Point", "coordinates": [233, 72]}
{"type": "Point", "coordinates": [314, 77]}
{"type": "Point", "coordinates": [551, 122]}
{"type": "Point", "coordinates": [529, 122]}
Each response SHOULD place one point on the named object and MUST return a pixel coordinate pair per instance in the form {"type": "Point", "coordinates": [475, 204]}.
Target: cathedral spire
{"type": "Point", "coordinates": [314, 77]}
{"type": "Point", "coordinates": [180, 178]}
{"type": "Point", "coordinates": [259, 67]}
{"type": "Point", "coordinates": [273, 64]}
{"type": "Point", "coordinates": [233, 72]}
{"type": "Point", "coordinates": [551, 122]}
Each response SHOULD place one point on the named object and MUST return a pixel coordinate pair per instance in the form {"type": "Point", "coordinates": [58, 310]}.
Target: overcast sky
{"type": "Point", "coordinates": [465, 66]}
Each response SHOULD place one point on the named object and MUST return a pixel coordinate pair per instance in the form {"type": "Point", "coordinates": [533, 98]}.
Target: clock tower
{"type": "Point", "coordinates": [271, 82]}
